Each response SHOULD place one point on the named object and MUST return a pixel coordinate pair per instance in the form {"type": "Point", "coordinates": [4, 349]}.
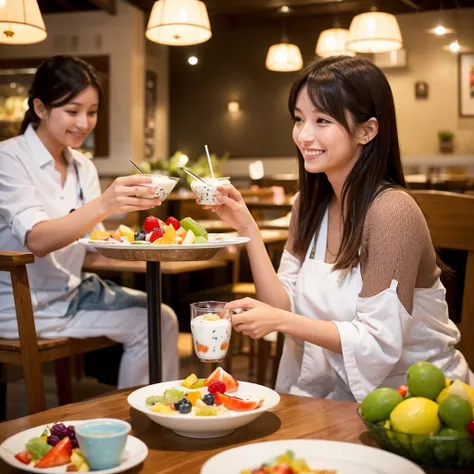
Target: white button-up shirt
{"type": "Point", "coordinates": [31, 192]}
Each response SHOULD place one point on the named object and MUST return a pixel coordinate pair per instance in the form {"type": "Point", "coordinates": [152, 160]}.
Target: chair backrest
{"type": "Point", "coordinates": [450, 218]}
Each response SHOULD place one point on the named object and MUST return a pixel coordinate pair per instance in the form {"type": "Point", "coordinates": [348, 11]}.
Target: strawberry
{"type": "Point", "coordinates": [151, 223]}
{"type": "Point", "coordinates": [156, 234]}
{"type": "Point", "coordinates": [58, 456]}
{"type": "Point", "coordinates": [174, 222]}
{"type": "Point", "coordinates": [24, 457]}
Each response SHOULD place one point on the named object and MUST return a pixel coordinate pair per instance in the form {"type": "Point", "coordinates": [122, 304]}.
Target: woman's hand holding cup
{"type": "Point", "coordinates": [121, 196]}
{"type": "Point", "coordinates": [233, 210]}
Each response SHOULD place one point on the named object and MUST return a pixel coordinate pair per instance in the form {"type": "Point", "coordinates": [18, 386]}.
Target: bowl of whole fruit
{"type": "Point", "coordinates": [429, 420]}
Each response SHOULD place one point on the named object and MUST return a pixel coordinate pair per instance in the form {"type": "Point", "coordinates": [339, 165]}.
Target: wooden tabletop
{"type": "Point", "coordinates": [95, 262]}
{"type": "Point", "coordinates": [294, 417]}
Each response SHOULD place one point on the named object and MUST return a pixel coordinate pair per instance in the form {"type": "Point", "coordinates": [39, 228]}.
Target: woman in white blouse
{"type": "Point", "coordinates": [50, 197]}
{"type": "Point", "coordinates": [358, 293]}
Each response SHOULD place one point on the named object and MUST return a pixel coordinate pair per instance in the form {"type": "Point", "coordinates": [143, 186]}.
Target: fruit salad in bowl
{"type": "Point", "coordinates": [204, 408]}
{"type": "Point", "coordinates": [428, 420]}
{"type": "Point", "coordinates": [157, 232]}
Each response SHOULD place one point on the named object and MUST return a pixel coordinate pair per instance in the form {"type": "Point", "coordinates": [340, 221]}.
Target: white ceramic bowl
{"type": "Point", "coordinates": [204, 426]}
{"type": "Point", "coordinates": [207, 192]}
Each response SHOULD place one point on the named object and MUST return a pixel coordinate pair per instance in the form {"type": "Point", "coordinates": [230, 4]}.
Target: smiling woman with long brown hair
{"type": "Point", "coordinates": [358, 293]}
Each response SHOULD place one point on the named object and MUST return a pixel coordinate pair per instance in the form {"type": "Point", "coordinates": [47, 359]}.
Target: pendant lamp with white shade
{"type": "Point", "coordinates": [374, 32]}
{"type": "Point", "coordinates": [21, 22]}
{"type": "Point", "coordinates": [332, 42]}
{"type": "Point", "coordinates": [178, 23]}
{"type": "Point", "coordinates": [284, 57]}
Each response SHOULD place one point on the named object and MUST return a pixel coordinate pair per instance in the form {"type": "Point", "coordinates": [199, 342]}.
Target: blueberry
{"type": "Point", "coordinates": [185, 407]}
{"type": "Point", "coordinates": [178, 403]}
{"type": "Point", "coordinates": [52, 440]}
{"type": "Point", "coordinates": [208, 399]}
{"type": "Point", "coordinates": [140, 235]}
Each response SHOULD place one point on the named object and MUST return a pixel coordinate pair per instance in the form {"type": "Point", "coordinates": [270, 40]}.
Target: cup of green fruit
{"type": "Point", "coordinates": [429, 420]}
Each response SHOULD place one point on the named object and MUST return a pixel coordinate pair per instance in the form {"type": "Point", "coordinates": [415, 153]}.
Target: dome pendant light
{"type": "Point", "coordinates": [21, 22]}
{"type": "Point", "coordinates": [284, 56]}
{"type": "Point", "coordinates": [374, 32]}
{"type": "Point", "coordinates": [178, 23]}
{"type": "Point", "coordinates": [332, 42]}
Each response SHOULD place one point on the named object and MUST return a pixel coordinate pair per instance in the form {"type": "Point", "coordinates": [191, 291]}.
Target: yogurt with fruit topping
{"type": "Point", "coordinates": [163, 186]}
{"type": "Point", "coordinates": [207, 192]}
{"type": "Point", "coordinates": [211, 337]}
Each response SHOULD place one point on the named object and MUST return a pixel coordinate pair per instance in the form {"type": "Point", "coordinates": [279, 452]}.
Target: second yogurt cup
{"type": "Point", "coordinates": [207, 192]}
{"type": "Point", "coordinates": [211, 329]}
{"type": "Point", "coordinates": [163, 186]}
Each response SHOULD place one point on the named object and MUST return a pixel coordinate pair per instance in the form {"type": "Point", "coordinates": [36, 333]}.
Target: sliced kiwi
{"type": "Point", "coordinates": [200, 240]}
{"type": "Point", "coordinates": [188, 223]}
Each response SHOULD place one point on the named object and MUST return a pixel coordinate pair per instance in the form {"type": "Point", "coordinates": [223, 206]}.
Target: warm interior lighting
{"type": "Point", "coordinates": [284, 57]}
{"type": "Point", "coordinates": [454, 46]}
{"type": "Point", "coordinates": [332, 42]}
{"type": "Point", "coordinates": [193, 60]}
{"type": "Point", "coordinates": [21, 22]}
{"type": "Point", "coordinates": [233, 106]}
{"type": "Point", "coordinates": [178, 23]}
{"type": "Point", "coordinates": [374, 32]}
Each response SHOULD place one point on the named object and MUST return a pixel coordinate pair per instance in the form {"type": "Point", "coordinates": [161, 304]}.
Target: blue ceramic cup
{"type": "Point", "coordinates": [102, 441]}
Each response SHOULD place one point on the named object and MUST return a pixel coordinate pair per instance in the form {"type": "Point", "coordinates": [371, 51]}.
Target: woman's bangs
{"type": "Point", "coordinates": [326, 94]}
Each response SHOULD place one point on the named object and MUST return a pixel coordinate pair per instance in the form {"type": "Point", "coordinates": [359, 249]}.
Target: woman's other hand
{"type": "Point", "coordinates": [233, 210]}
{"type": "Point", "coordinates": [121, 196]}
{"type": "Point", "coordinates": [258, 319]}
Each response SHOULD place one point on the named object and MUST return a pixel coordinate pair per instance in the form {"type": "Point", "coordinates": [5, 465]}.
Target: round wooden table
{"type": "Point", "coordinates": [293, 418]}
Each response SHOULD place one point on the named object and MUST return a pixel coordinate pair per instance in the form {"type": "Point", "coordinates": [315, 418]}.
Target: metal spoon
{"type": "Point", "coordinates": [136, 166]}
{"type": "Point", "coordinates": [193, 175]}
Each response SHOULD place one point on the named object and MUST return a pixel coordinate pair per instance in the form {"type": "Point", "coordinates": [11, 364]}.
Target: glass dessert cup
{"type": "Point", "coordinates": [211, 329]}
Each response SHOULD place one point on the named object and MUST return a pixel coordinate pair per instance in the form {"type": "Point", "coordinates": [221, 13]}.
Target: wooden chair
{"type": "Point", "coordinates": [450, 217]}
{"type": "Point", "coordinates": [30, 352]}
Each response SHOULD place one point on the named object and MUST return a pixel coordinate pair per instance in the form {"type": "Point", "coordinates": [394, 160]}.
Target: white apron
{"type": "Point", "coordinates": [373, 333]}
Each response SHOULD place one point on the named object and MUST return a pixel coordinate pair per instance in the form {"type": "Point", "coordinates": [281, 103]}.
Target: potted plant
{"type": "Point", "coordinates": [446, 144]}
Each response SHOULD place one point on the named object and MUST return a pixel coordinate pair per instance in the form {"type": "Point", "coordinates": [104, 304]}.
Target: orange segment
{"type": "Point", "coordinates": [193, 396]}
{"type": "Point", "coordinates": [99, 235]}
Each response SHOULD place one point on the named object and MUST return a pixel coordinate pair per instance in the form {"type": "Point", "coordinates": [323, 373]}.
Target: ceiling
{"type": "Point", "coordinates": [268, 7]}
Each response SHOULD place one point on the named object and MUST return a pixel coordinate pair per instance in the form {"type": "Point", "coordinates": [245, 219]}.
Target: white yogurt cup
{"type": "Point", "coordinates": [207, 192]}
{"type": "Point", "coordinates": [163, 186]}
{"type": "Point", "coordinates": [211, 338]}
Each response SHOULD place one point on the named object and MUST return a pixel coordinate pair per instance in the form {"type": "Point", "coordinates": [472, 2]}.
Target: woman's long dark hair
{"type": "Point", "coordinates": [337, 85]}
{"type": "Point", "coordinates": [57, 81]}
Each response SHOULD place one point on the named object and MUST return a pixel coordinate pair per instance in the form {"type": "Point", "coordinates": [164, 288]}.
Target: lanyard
{"type": "Point", "coordinates": [80, 193]}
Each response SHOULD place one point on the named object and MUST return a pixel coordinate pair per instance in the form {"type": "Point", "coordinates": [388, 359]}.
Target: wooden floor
{"type": "Point", "coordinates": [88, 387]}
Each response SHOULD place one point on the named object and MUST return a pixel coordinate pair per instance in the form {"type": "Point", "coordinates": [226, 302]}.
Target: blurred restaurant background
{"type": "Point", "coordinates": [230, 91]}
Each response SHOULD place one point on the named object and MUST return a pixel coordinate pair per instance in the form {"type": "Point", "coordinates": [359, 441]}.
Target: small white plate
{"type": "Point", "coordinates": [193, 426]}
{"type": "Point", "coordinates": [135, 451]}
{"type": "Point", "coordinates": [212, 244]}
{"type": "Point", "coordinates": [344, 458]}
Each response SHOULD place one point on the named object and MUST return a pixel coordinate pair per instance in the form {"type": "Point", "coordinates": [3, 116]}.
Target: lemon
{"type": "Point", "coordinates": [416, 415]}
{"type": "Point", "coordinates": [377, 405]}
{"type": "Point", "coordinates": [462, 390]}
{"type": "Point", "coordinates": [444, 393]}
{"type": "Point", "coordinates": [455, 412]}
{"type": "Point", "coordinates": [425, 380]}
